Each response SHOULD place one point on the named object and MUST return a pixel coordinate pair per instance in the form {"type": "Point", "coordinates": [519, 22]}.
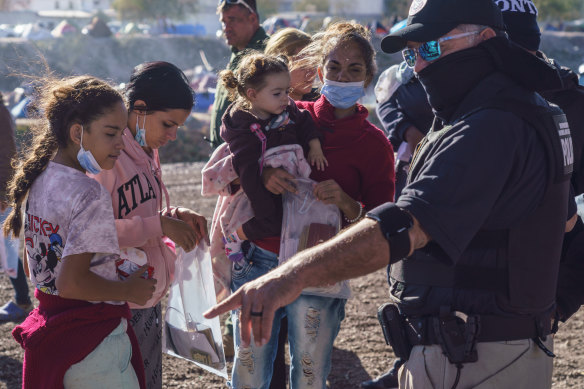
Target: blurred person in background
{"type": "Point", "coordinates": [405, 114]}
{"type": "Point", "coordinates": [241, 26]}
{"type": "Point", "coordinates": [18, 309]}
{"type": "Point", "coordinates": [289, 42]}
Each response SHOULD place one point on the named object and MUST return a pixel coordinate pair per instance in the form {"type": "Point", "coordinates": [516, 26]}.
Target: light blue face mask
{"type": "Point", "coordinates": [86, 158]}
{"type": "Point", "coordinates": [141, 132]}
{"type": "Point", "coordinates": [343, 94]}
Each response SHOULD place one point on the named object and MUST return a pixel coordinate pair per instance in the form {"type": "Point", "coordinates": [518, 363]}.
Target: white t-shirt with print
{"type": "Point", "coordinates": [68, 213]}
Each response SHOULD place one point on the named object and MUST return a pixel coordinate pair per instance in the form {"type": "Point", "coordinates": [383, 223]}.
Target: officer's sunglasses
{"type": "Point", "coordinates": [240, 2]}
{"type": "Point", "coordinates": [430, 51]}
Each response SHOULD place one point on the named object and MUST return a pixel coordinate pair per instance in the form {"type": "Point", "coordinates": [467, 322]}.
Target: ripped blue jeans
{"type": "Point", "coordinates": [313, 324]}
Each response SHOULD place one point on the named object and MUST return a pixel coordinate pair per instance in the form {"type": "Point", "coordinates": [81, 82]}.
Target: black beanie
{"type": "Point", "coordinates": [520, 17]}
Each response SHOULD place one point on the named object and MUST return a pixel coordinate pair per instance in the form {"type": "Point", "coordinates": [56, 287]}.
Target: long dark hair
{"type": "Point", "coordinates": [60, 104]}
{"type": "Point", "coordinates": [161, 85]}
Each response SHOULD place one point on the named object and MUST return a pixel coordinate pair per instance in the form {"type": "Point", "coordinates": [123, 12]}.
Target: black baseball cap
{"type": "Point", "coordinates": [521, 23]}
{"type": "Point", "coordinates": [430, 19]}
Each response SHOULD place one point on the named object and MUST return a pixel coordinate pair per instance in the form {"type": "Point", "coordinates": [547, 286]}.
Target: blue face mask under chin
{"type": "Point", "coordinates": [141, 132]}
{"type": "Point", "coordinates": [86, 158]}
{"type": "Point", "coordinates": [343, 94]}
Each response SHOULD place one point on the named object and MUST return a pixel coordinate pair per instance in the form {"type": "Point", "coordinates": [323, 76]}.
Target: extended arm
{"type": "Point", "coordinates": [357, 251]}
{"type": "Point", "coordinates": [76, 281]}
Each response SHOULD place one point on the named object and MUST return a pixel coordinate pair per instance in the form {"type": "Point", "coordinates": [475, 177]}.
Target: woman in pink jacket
{"type": "Point", "coordinates": [159, 100]}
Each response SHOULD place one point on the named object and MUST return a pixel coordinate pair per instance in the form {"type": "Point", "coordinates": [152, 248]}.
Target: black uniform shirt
{"type": "Point", "coordinates": [487, 171]}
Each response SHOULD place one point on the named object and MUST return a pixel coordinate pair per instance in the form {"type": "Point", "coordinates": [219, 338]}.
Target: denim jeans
{"type": "Point", "coordinates": [107, 366]}
{"type": "Point", "coordinates": [20, 286]}
{"type": "Point", "coordinates": [313, 324]}
{"type": "Point", "coordinates": [19, 283]}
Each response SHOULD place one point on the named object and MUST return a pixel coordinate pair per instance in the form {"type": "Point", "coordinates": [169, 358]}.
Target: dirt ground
{"type": "Point", "coordinates": [359, 351]}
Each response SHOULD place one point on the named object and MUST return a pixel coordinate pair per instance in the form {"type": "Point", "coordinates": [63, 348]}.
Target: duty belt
{"type": "Point", "coordinates": [421, 331]}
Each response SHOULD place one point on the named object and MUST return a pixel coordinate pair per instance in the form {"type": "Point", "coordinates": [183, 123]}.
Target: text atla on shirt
{"type": "Point", "coordinates": [134, 191]}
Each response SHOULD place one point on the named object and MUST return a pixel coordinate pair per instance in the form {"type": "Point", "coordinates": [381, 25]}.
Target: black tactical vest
{"type": "Point", "coordinates": [525, 276]}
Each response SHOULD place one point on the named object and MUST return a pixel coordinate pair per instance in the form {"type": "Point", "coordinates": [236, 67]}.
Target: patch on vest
{"type": "Point", "coordinates": [566, 141]}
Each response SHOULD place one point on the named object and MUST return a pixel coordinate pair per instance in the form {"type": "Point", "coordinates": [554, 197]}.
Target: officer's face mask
{"type": "Point", "coordinates": [141, 132]}
{"type": "Point", "coordinates": [86, 158]}
{"type": "Point", "coordinates": [343, 94]}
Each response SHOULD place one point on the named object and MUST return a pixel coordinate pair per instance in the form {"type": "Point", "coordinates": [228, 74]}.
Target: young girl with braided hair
{"type": "Point", "coordinates": [78, 337]}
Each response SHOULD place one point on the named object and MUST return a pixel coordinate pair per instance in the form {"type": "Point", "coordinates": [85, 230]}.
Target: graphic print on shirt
{"type": "Point", "coordinates": [44, 248]}
{"type": "Point", "coordinates": [133, 193]}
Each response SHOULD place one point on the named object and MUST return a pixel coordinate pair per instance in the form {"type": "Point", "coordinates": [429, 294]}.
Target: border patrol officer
{"type": "Point", "coordinates": [473, 243]}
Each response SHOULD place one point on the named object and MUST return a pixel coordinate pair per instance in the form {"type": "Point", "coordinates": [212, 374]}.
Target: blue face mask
{"type": "Point", "coordinates": [141, 132]}
{"type": "Point", "coordinates": [343, 94]}
{"type": "Point", "coordinates": [86, 159]}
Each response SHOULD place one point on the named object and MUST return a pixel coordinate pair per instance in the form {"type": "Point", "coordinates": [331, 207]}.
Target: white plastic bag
{"type": "Point", "coordinates": [187, 333]}
{"type": "Point", "coordinates": [306, 221]}
{"type": "Point", "coordinates": [9, 251]}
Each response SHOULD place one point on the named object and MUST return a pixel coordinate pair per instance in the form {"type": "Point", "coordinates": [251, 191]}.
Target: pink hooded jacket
{"type": "Point", "coordinates": [136, 188]}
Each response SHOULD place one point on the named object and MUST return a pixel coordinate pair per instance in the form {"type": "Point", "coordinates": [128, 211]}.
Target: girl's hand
{"type": "Point", "coordinates": [316, 158]}
{"type": "Point", "coordinates": [329, 192]}
{"type": "Point", "coordinates": [278, 181]}
{"type": "Point", "coordinates": [180, 232]}
{"type": "Point", "coordinates": [140, 290]}
{"type": "Point", "coordinates": [196, 221]}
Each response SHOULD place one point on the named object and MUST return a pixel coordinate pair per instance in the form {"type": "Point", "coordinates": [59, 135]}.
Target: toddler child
{"type": "Point", "coordinates": [263, 117]}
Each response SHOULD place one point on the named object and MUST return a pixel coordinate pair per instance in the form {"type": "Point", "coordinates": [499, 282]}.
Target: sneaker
{"type": "Point", "coordinates": [14, 312]}
{"type": "Point", "coordinates": [386, 381]}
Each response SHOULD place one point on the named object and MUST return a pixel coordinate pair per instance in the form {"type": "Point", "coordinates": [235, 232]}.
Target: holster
{"type": "Point", "coordinates": [394, 330]}
{"type": "Point", "coordinates": [457, 333]}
